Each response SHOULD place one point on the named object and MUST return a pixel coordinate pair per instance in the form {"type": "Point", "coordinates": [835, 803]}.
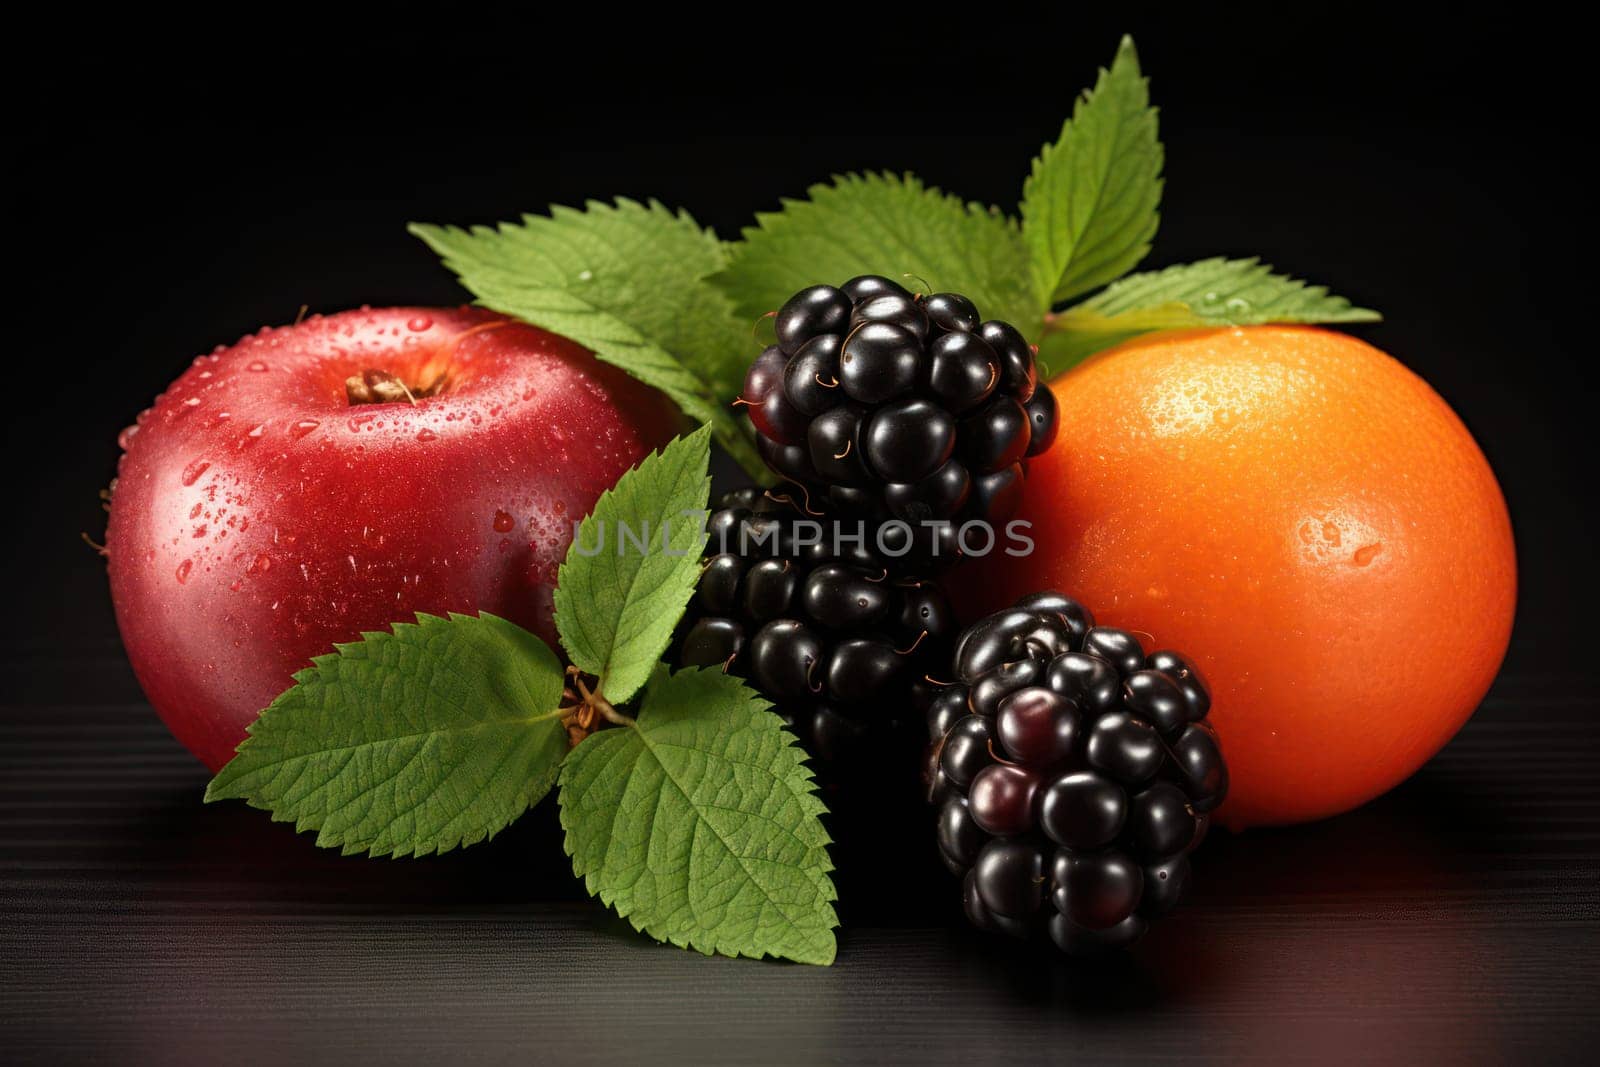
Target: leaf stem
{"type": "Point", "coordinates": [594, 701]}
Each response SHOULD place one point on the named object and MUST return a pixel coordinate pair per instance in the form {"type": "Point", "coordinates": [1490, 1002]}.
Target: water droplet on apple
{"type": "Point", "coordinates": [238, 584]}
{"type": "Point", "coordinates": [260, 565]}
{"type": "Point", "coordinates": [183, 570]}
{"type": "Point", "coordinates": [419, 323]}
{"type": "Point", "coordinates": [503, 522]}
{"type": "Point", "coordinates": [194, 470]}
{"type": "Point", "coordinates": [256, 365]}
{"type": "Point", "coordinates": [426, 435]}
{"type": "Point", "coordinates": [125, 436]}
{"type": "Point", "coordinates": [303, 427]}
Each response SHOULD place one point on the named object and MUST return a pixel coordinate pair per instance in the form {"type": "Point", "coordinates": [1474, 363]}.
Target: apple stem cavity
{"type": "Point", "coordinates": [373, 386]}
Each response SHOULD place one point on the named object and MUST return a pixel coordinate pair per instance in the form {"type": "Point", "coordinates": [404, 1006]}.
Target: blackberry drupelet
{"type": "Point", "coordinates": [1073, 775]}
{"type": "Point", "coordinates": [839, 639]}
{"type": "Point", "coordinates": [900, 408]}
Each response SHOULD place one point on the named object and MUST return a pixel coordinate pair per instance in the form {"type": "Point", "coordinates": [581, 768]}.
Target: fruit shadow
{"type": "Point", "coordinates": [1427, 836]}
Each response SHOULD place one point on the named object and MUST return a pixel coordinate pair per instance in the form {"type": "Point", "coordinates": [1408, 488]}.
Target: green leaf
{"type": "Point", "coordinates": [700, 824]}
{"type": "Point", "coordinates": [1227, 292]}
{"type": "Point", "coordinates": [1078, 333]}
{"type": "Point", "coordinates": [1090, 204]}
{"type": "Point", "coordinates": [618, 597]}
{"type": "Point", "coordinates": [889, 225]}
{"type": "Point", "coordinates": [434, 736]}
{"type": "Point", "coordinates": [628, 282]}
{"type": "Point", "coordinates": [1211, 292]}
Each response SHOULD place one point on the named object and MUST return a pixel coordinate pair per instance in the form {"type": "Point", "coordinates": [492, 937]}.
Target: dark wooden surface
{"type": "Point", "coordinates": [1457, 919]}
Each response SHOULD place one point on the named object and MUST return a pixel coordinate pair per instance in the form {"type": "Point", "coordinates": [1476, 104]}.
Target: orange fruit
{"type": "Point", "coordinates": [1306, 519]}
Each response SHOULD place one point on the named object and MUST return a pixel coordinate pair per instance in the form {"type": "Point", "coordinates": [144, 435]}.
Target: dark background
{"type": "Point", "coordinates": [190, 196]}
{"type": "Point", "coordinates": [179, 191]}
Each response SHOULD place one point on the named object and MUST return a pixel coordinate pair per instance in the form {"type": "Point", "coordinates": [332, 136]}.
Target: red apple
{"type": "Point", "coordinates": [262, 511]}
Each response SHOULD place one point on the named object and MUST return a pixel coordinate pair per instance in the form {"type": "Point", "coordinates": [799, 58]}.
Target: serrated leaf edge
{"type": "Point", "coordinates": [803, 789]}
{"type": "Point", "coordinates": [697, 399]}
{"type": "Point", "coordinates": [563, 591]}
{"type": "Point", "coordinates": [1055, 290]}
{"type": "Point", "coordinates": [302, 824]}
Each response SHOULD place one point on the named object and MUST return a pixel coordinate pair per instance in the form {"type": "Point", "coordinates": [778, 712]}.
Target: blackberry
{"type": "Point", "coordinates": [908, 411]}
{"type": "Point", "coordinates": [838, 638]}
{"type": "Point", "coordinates": [1073, 775]}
